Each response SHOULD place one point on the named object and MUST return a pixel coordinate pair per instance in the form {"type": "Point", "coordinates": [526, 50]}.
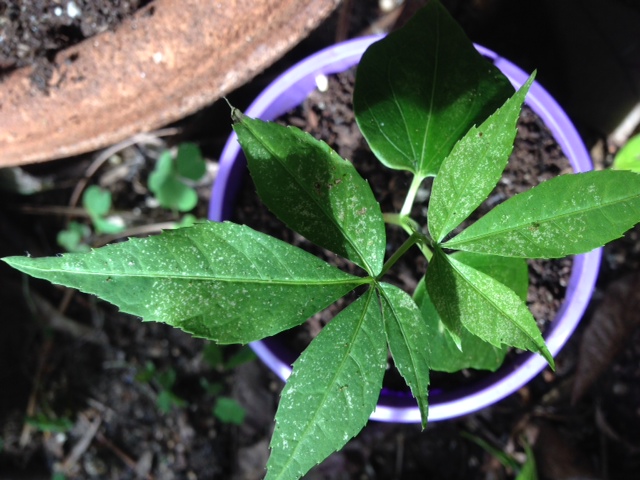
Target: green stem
{"type": "Point", "coordinates": [408, 243]}
{"type": "Point", "coordinates": [411, 195]}
{"type": "Point", "coordinates": [410, 226]}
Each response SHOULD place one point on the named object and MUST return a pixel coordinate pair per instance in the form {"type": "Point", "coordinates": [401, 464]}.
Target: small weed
{"type": "Point", "coordinates": [45, 423]}
{"type": "Point", "coordinates": [164, 382]}
{"type": "Point", "coordinates": [227, 410]}
{"type": "Point", "coordinates": [169, 181]}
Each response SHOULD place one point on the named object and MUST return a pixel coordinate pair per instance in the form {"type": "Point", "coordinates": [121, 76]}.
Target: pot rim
{"type": "Point", "coordinates": [289, 90]}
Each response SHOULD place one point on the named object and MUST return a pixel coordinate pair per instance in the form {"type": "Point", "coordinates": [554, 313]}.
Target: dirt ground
{"type": "Point", "coordinates": [87, 392]}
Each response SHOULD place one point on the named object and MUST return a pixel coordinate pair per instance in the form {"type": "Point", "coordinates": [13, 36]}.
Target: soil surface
{"type": "Point", "coordinates": [33, 31]}
{"type": "Point", "coordinates": [91, 393]}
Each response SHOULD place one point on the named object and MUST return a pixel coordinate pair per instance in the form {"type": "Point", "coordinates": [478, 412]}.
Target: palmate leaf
{"type": "Point", "coordinates": [566, 215]}
{"type": "Point", "coordinates": [473, 352]}
{"type": "Point", "coordinates": [467, 298]}
{"type": "Point", "coordinates": [474, 167]}
{"type": "Point", "coordinates": [219, 281]}
{"type": "Point", "coordinates": [314, 191]}
{"type": "Point", "coordinates": [420, 89]}
{"type": "Point", "coordinates": [333, 389]}
{"type": "Point", "coordinates": [409, 342]}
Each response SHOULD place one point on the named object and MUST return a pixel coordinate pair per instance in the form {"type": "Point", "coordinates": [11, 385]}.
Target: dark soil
{"type": "Point", "coordinates": [69, 357]}
{"type": "Point", "coordinates": [34, 31]}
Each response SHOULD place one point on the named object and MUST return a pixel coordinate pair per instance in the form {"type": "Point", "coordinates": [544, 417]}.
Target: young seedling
{"type": "Point", "coordinates": [164, 381]}
{"type": "Point", "coordinates": [169, 180]}
{"type": "Point", "coordinates": [426, 103]}
{"type": "Point", "coordinates": [524, 471]}
{"type": "Point", "coordinates": [97, 203]}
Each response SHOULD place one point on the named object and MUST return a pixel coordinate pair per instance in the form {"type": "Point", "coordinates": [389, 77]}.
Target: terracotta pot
{"type": "Point", "coordinates": [167, 61]}
{"type": "Point", "coordinates": [288, 91]}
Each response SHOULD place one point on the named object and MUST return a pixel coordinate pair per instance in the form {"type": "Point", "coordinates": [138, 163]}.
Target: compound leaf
{"type": "Point", "coordinates": [409, 342]}
{"type": "Point", "coordinates": [314, 191]}
{"type": "Point", "coordinates": [566, 215]}
{"type": "Point", "coordinates": [333, 389]}
{"type": "Point", "coordinates": [220, 281]}
{"type": "Point", "coordinates": [467, 298]}
{"type": "Point", "coordinates": [474, 167]}
{"type": "Point", "coordinates": [421, 88]}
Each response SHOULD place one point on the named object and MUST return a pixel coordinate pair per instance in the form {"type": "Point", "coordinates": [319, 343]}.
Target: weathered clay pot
{"type": "Point", "coordinates": [169, 60]}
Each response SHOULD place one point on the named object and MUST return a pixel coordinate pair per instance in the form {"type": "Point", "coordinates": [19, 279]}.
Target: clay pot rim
{"type": "Point", "coordinates": [166, 61]}
{"type": "Point", "coordinates": [289, 90]}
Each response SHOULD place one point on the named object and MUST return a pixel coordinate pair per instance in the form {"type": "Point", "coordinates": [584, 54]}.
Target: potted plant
{"type": "Point", "coordinates": [232, 284]}
{"type": "Point", "coordinates": [288, 91]}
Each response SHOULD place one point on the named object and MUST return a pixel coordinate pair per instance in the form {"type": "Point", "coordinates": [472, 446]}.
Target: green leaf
{"type": "Point", "coordinates": [107, 225]}
{"type": "Point", "coordinates": [147, 374]}
{"type": "Point", "coordinates": [409, 342]}
{"type": "Point", "coordinates": [566, 215]}
{"type": "Point", "coordinates": [73, 238]}
{"type": "Point", "coordinates": [314, 191]}
{"type": "Point", "coordinates": [628, 158]}
{"type": "Point", "coordinates": [211, 388]}
{"type": "Point", "coordinates": [473, 352]}
{"type": "Point", "coordinates": [420, 89]}
{"type": "Point", "coordinates": [333, 389]}
{"type": "Point", "coordinates": [529, 470]}
{"type": "Point", "coordinates": [445, 354]}
{"type": "Point", "coordinates": [220, 281]}
{"type": "Point", "coordinates": [44, 423]}
{"type": "Point", "coordinates": [166, 400]}
{"type": "Point", "coordinates": [161, 173]}
{"type": "Point", "coordinates": [474, 167]}
{"type": "Point", "coordinates": [189, 161]}
{"type": "Point", "coordinates": [509, 271]}
{"type": "Point", "coordinates": [227, 410]}
{"type": "Point", "coordinates": [96, 201]}
{"type": "Point", "coordinates": [166, 185]}
{"type": "Point", "coordinates": [466, 297]}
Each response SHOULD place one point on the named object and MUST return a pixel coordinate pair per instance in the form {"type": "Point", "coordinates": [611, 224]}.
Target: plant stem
{"type": "Point", "coordinates": [410, 226]}
{"type": "Point", "coordinates": [411, 195]}
{"type": "Point", "coordinates": [408, 243]}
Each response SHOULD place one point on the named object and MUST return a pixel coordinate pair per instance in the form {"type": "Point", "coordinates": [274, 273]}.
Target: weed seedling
{"type": "Point", "coordinates": [169, 181]}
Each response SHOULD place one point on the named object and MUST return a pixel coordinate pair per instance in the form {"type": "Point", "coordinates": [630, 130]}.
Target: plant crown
{"type": "Point", "coordinates": [429, 103]}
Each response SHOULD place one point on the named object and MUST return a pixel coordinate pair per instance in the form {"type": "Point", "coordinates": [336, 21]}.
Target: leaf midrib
{"type": "Point", "coordinates": [487, 299]}
{"type": "Point", "coordinates": [414, 362]}
{"type": "Point", "coordinates": [585, 211]}
{"type": "Point", "coordinates": [278, 281]}
{"type": "Point", "coordinates": [347, 354]}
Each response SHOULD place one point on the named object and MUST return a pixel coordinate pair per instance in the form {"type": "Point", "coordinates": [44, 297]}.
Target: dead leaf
{"type": "Point", "coordinates": [611, 326]}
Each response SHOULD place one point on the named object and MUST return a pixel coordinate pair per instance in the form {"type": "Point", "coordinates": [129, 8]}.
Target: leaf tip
{"type": "Point", "coordinates": [544, 351]}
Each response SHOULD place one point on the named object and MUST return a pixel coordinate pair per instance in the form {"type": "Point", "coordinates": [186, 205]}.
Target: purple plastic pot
{"type": "Point", "coordinates": [290, 90]}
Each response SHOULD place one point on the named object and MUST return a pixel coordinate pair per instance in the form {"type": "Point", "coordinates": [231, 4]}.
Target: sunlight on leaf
{"type": "Point", "coordinates": [332, 391]}
{"type": "Point", "coordinates": [474, 167]}
{"type": "Point", "coordinates": [566, 215]}
{"type": "Point", "coordinates": [334, 206]}
{"type": "Point", "coordinates": [212, 280]}
{"type": "Point", "coordinates": [421, 88]}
